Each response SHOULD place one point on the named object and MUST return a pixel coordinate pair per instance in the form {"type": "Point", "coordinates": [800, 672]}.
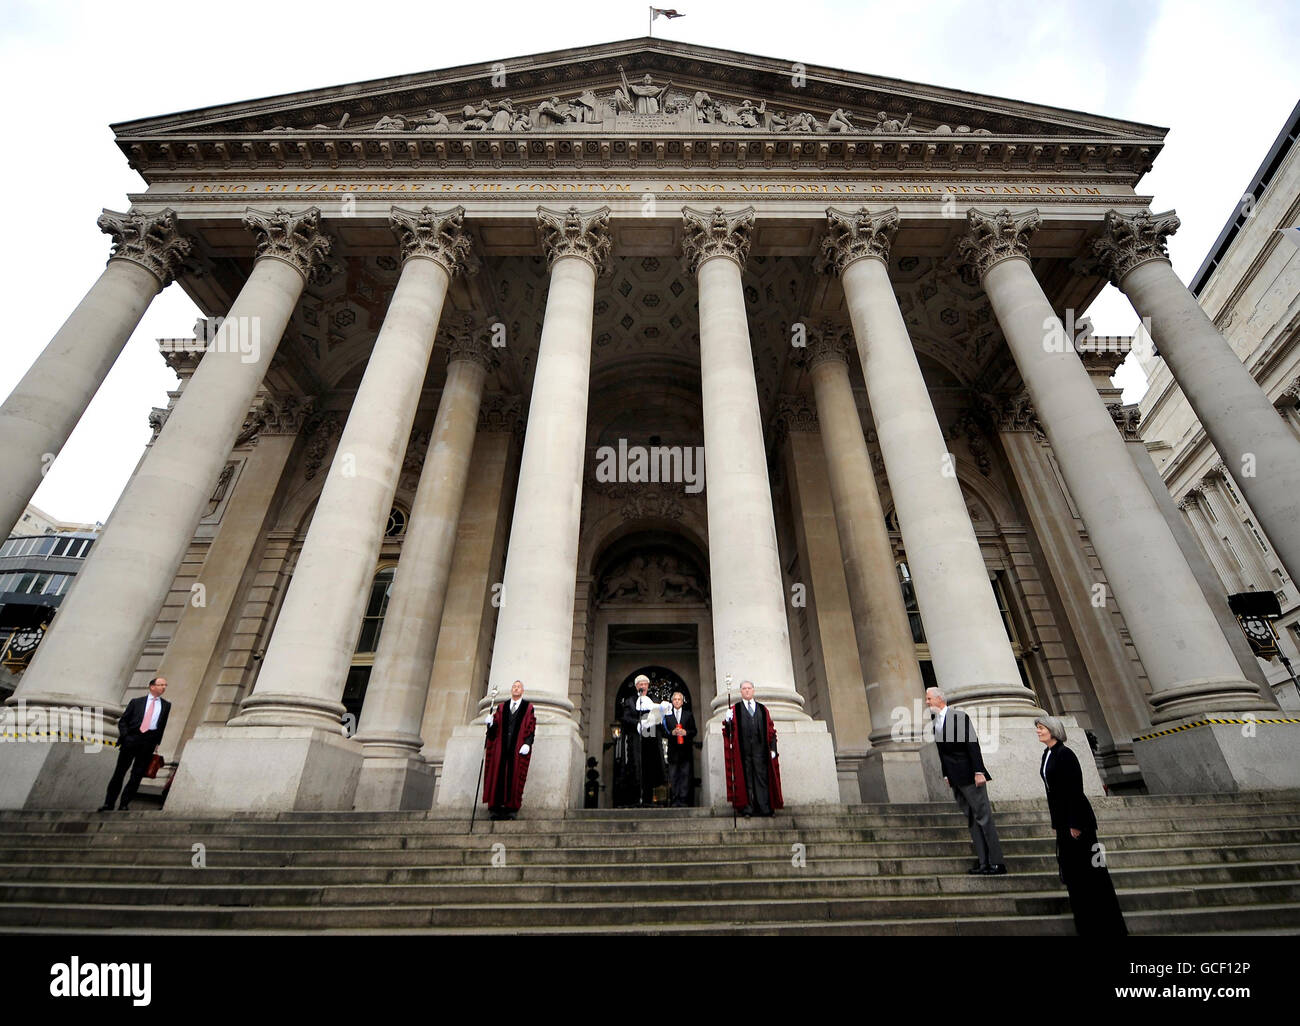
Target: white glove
{"type": "Point", "coordinates": [727, 718]}
{"type": "Point", "coordinates": [488, 720]}
{"type": "Point", "coordinates": [523, 750]}
{"type": "Point", "coordinates": [774, 755]}
{"type": "Point", "coordinates": [665, 708]}
{"type": "Point", "coordinates": [643, 704]}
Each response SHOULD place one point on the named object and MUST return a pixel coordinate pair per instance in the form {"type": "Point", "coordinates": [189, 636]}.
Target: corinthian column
{"type": "Point", "coordinates": [885, 645]}
{"type": "Point", "coordinates": [751, 639]}
{"type": "Point", "coordinates": [969, 647]}
{"type": "Point", "coordinates": [291, 719]}
{"type": "Point", "coordinates": [103, 624]}
{"type": "Point", "coordinates": [393, 775]}
{"type": "Point", "coordinates": [1191, 667]}
{"type": "Point", "coordinates": [1262, 453]}
{"type": "Point", "coordinates": [44, 407]}
{"type": "Point", "coordinates": [534, 636]}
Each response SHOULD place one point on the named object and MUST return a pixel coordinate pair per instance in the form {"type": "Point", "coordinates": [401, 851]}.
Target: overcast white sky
{"type": "Point", "coordinates": [1221, 76]}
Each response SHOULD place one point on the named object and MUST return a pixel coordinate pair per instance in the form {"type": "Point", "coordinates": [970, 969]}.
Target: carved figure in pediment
{"type": "Point", "coordinates": [839, 121]}
{"type": "Point", "coordinates": [521, 121]}
{"type": "Point", "coordinates": [778, 121]}
{"type": "Point", "coordinates": [804, 122]}
{"type": "Point", "coordinates": [675, 583]}
{"type": "Point", "coordinates": [552, 112]}
{"type": "Point", "coordinates": [707, 111]}
{"type": "Point", "coordinates": [746, 115]}
{"type": "Point", "coordinates": [885, 125]}
{"type": "Point", "coordinates": [477, 119]}
{"type": "Point", "coordinates": [432, 122]}
{"type": "Point", "coordinates": [389, 123]}
{"type": "Point", "coordinates": [504, 117]}
{"type": "Point", "coordinates": [643, 98]}
{"type": "Point", "coordinates": [961, 130]}
{"type": "Point", "coordinates": [585, 108]}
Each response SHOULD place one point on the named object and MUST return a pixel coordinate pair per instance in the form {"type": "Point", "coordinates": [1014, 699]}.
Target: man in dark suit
{"type": "Point", "coordinates": [640, 719]}
{"type": "Point", "coordinates": [749, 751]}
{"type": "Point", "coordinates": [139, 732]}
{"type": "Point", "coordinates": [507, 749]}
{"type": "Point", "coordinates": [964, 772]}
{"type": "Point", "coordinates": [679, 724]}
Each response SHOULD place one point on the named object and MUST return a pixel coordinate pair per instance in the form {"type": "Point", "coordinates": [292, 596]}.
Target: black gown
{"type": "Point", "coordinates": [1082, 860]}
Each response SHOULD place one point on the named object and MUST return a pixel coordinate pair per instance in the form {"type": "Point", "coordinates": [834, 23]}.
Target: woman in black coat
{"type": "Point", "coordinates": [1081, 858]}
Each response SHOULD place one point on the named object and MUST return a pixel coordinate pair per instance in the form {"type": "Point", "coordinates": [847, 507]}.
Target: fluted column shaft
{"type": "Point", "coordinates": [45, 406]}
{"type": "Point", "coordinates": [751, 639]}
{"type": "Point", "coordinates": [315, 635]}
{"type": "Point", "coordinates": [395, 700]}
{"type": "Point", "coordinates": [95, 642]}
{"type": "Point", "coordinates": [1262, 453]}
{"type": "Point", "coordinates": [534, 637]}
{"type": "Point", "coordinates": [969, 647]}
{"type": "Point", "coordinates": [1191, 667]}
{"type": "Point", "coordinates": [885, 644]}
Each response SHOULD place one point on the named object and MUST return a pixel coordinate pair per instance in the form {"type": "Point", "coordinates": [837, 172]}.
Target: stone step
{"type": "Point", "coordinates": [90, 884]}
{"type": "Point", "coordinates": [531, 914]}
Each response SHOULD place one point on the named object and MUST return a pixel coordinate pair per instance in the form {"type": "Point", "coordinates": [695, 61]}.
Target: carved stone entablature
{"type": "Point", "coordinates": [1129, 240]}
{"type": "Point", "coordinates": [501, 413]}
{"type": "Point", "coordinates": [150, 240]}
{"type": "Point", "coordinates": [183, 361]}
{"type": "Point", "coordinates": [438, 235]}
{"type": "Point", "coordinates": [1292, 391]}
{"type": "Point", "coordinates": [828, 342]}
{"type": "Point", "coordinates": [292, 237]}
{"type": "Point", "coordinates": [157, 418]}
{"type": "Point", "coordinates": [574, 233]}
{"type": "Point", "coordinates": [1190, 501]}
{"type": "Point", "coordinates": [992, 238]}
{"type": "Point", "coordinates": [654, 577]}
{"type": "Point", "coordinates": [1128, 419]}
{"type": "Point", "coordinates": [713, 233]}
{"type": "Point", "coordinates": [794, 414]}
{"type": "Point", "coordinates": [320, 428]}
{"type": "Point", "coordinates": [1289, 401]}
{"type": "Point", "coordinates": [851, 236]}
{"type": "Point", "coordinates": [1012, 413]}
{"type": "Point", "coordinates": [277, 414]}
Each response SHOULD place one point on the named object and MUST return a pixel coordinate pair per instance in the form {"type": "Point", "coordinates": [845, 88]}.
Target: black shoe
{"type": "Point", "coordinates": [747, 813]}
{"type": "Point", "coordinates": [769, 813]}
{"type": "Point", "coordinates": [997, 870]}
{"type": "Point", "coordinates": [980, 870]}
{"type": "Point", "coordinates": [124, 807]}
{"type": "Point", "coordinates": [105, 808]}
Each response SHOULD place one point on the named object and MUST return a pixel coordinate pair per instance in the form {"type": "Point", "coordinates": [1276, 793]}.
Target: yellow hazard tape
{"type": "Point", "coordinates": [1209, 721]}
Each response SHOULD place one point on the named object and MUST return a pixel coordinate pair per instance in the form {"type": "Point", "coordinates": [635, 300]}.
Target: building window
{"type": "Point", "coordinates": [1258, 537]}
{"type": "Point", "coordinates": [999, 591]}
{"type": "Point", "coordinates": [373, 621]}
{"type": "Point", "coordinates": [396, 523]}
{"type": "Point", "coordinates": [909, 601]}
{"type": "Point", "coordinates": [1227, 487]}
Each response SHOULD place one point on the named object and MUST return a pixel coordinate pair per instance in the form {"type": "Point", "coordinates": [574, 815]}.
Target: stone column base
{"type": "Point", "coordinates": [265, 769]}
{"type": "Point", "coordinates": [900, 773]}
{"type": "Point", "coordinates": [394, 785]}
{"type": "Point", "coordinates": [808, 772]}
{"type": "Point", "coordinates": [555, 774]}
{"type": "Point", "coordinates": [54, 775]}
{"type": "Point", "coordinates": [1206, 756]}
{"type": "Point", "coordinates": [1012, 754]}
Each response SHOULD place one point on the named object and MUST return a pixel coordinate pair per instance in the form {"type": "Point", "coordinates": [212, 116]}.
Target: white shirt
{"type": "Point", "coordinates": [749, 707]}
{"type": "Point", "coordinates": [1047, 754]}
{"type": "Point", "coordinates": [938, 720]}
{"type": "Point", "coordinates": [514, 706]}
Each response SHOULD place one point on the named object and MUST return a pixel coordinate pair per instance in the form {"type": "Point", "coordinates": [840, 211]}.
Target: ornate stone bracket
{"type": "Point", "coordinates": [794, 414]}
{"type": "Point", "coordinates": [464, 341]}
{"type": "Point", "coordinates": [277, 414]}
{"type": "Point", "coordinates": [577, 234]}
{"type": "Point", "coordinates": [295, 238]}
{"type": "Point", "coordinates": [1011, 413]}
{"type": "Point", "coordinates": [501, 413]}
{"type": "Point", "coordinates": [828, 342]}
{"type": "Point", "coordinates": [437, 235]}
{"type": "Point", "coordinates": [968, 425]}
{"type": "Point", "coordinates": [1130, 240]}
{"type": "Point", "coordinates": [150, 240]}
{"type": "Point", "coordinates": [320, 428]}
{"type": "Point", "coordinates": [992, 238]}
{"type": "Point", "coordinates": [716, 233]}
{"type": "Point", "coordinates": [852, 236]}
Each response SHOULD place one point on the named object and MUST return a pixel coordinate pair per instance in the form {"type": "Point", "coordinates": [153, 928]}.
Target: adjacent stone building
{"type": "Point", "coordinates": [644, 357]}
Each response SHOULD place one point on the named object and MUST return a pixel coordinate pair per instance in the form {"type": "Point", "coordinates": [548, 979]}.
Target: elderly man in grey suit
{"type": "Point", "coordinates": [964, 772]}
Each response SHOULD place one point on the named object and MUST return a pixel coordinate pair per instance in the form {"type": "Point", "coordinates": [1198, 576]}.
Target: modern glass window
{"type": "Point", "coordinates": [909, 601]}
{"type": "Point", "coordinates": [377, 606]}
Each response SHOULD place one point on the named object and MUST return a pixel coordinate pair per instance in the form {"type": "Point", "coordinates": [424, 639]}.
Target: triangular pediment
{"type": "Point", "coordinates": [640, 88]}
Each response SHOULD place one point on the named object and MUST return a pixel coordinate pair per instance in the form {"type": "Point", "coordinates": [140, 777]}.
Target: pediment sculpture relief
{"type": "Point", "coordinates": [658, 577]}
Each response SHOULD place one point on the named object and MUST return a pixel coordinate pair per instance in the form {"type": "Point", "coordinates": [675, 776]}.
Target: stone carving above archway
{"type": "Point", "coordinates": [652, 577]}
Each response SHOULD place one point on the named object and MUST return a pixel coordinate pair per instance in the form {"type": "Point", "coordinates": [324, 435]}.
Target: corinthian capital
{"type": "Point", "coordinates": [992, 238]}
{"type": "Point", "coordinates": [150, 240]}
{"type": "Point", "coordinates": [464, 340]}
{"type": "Point", "coordinates": [710, 233]}
{"type": "Point", "coordinates": [850, 237]}
{"type": "Point", "coordinates": [1129, 240]}
{"type": "Point", "coordinates": [440, 236]}
{"type": "Point", "coordinates": [574, 233]}
{"type": "Point", "coordinates": [295, 238]}
{"type": "Point", "coordinates": [826, 344]}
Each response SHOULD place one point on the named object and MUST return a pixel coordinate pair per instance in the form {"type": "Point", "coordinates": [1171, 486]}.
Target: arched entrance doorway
{"type": "Point", "coordinates": [626, 789]}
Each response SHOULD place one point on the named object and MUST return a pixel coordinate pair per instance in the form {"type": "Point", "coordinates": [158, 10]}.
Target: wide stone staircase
{"type": "Point", "coordinates": [1181, 865]}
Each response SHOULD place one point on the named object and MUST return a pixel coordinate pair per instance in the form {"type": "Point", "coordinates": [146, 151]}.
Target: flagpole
{"type": "Point", "coordinates": [651, 25]}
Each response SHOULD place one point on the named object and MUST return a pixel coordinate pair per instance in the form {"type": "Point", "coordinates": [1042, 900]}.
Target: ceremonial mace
{"type": "Point", "coordinates": [482, 762]}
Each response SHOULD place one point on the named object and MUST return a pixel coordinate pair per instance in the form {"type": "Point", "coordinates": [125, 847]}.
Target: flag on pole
{"type": "Point", "coordinates": [666, 12]}
{"type": "Point", "coordinates": [1292, 235]}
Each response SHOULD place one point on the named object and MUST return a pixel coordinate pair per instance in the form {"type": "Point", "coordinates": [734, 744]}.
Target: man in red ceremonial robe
{"type": "Point", "coordinates": [509, 745]}
{"type": "Point", "coordinates": [753, 769]}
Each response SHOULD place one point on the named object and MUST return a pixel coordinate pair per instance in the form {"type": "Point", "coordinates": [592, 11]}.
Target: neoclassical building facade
{"type": "Point", "coordinates": [644, 357]}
